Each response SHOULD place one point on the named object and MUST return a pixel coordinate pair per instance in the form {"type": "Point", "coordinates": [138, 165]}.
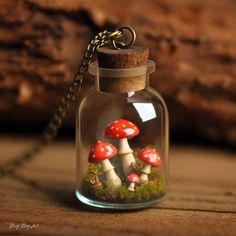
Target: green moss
{"type": "Point", "coordinates": [123, 192]}
{"type": "Point", "coordinates": [151, 190]}
{"type": "Point", "coordinates": [93, 171]}
{"type": "Point", "coordinates": [101, 194]}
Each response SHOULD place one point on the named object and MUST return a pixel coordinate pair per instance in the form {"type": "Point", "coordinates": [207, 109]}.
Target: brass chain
{"type": "Point", "coordinates": [55, 123]}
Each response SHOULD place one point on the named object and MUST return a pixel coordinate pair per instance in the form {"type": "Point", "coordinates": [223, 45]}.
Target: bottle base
{"type": "Point", "coordinates": [117, 206]}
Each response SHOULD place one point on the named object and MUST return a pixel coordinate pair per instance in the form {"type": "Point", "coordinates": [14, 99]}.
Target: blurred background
{"type": "Point", "coordinates": [192, 42]}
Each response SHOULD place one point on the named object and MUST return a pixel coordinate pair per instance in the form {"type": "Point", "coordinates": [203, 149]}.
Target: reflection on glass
{"type": "Point", "coordinates": [146, 111]}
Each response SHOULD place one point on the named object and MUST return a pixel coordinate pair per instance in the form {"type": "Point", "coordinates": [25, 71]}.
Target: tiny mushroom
{"type": "Point", "coordinates": [132, 179]}
{"type": "Point", "coordinates": [151, 157]}
{"type": "Point", "coordinates": [122, 130]}
{"type": "Point", "coordinates": [101, 152]}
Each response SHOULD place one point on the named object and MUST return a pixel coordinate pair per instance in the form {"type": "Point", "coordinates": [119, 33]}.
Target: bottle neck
{"type": "Point", "coordinates": [121, 80]}
{"type": "Point", "coordinates": [121, 84]}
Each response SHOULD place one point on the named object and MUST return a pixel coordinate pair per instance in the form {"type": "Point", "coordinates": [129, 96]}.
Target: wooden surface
{"type": "Point", "coordinates": [202, 198]}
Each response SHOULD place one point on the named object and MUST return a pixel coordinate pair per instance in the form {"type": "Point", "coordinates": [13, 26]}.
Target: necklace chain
{"type": "Point", "coordinates": [51, 130]}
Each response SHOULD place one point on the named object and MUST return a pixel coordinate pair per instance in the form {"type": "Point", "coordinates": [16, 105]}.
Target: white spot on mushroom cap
{"type": "Point", "coordinates": [102, 149]}
{"type": "Point", "coordinates": [112, 127]}
{"type": "Point", "coordinates": [93, 155]}
{"type": "Point", "coordinates": [150, 155]}
{"type": "Point", "coordinates": [133, 178]}
{"type": "Point", "coordinates": [123, 125]}
{"type": "Point", "coordinates": [153, 157]}
{"type": "Point", "coordinates": [117, 135]}
{"type": "Point", "coordinates": [129, 131]}
{"type": "Point", "coordinates": [117, 128]}
{"type": "Point", "coordinates": [109, 150]}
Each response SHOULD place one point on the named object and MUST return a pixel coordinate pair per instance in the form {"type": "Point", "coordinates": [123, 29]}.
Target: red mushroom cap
{"type": "Point", "coordinates": [102, 151]}
{"type": "Point", "coordinates": [121, 129]}
{"type": "Point", "coordinates": [150, 156]}
{"type": "Point", "coordinates": [133, 178]}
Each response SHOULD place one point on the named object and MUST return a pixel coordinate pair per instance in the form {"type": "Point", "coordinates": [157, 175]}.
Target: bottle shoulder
{"type": "Point", "coordinates": [159, 97]}
{"type": "Point", "coordinates": [156, 95]}
{"type": "Point", "coordinates": [93, 97]}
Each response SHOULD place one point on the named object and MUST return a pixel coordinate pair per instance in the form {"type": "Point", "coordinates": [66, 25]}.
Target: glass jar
{"type": "Point", "coordinates": [122, 141]}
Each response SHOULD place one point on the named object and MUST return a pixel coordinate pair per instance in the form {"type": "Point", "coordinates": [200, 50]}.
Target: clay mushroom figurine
{"type": "Point", "coordinates": [132, 179]}
{"type": "Point", "coordinates": [151, 157]}
{"type": "Point", "coordinates": [101, 152]}
{"type": "Point", "coordinates": [122, 130]}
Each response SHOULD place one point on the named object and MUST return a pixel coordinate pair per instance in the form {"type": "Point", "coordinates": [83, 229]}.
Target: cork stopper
{"type": "Point", "coordinates": [121, 81]}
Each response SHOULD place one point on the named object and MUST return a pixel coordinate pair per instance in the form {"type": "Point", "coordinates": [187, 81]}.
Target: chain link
{"type": "Point", "coordinates": [55, 123]}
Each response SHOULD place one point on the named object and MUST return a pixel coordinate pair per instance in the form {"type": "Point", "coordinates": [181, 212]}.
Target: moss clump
{"type": "Point", "coordinates": [123, 192]}
{"type": "Point", "coordinates": [154, 188]}
{"type": "Point", "coordinates": [151, 190]}
{"type": "Point", "coordinates": [143, 192]}
{"type": "Point", "coordinates": [94, 170]}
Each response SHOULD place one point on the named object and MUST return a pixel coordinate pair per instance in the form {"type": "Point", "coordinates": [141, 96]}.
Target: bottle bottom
{"type": "Point", "coordinates": [118, 206]}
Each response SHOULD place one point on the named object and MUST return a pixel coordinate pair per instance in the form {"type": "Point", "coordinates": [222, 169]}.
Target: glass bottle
{"type": "Point", "coordinates": [122, 134]}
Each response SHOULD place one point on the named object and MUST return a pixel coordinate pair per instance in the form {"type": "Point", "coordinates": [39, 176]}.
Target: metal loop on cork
{"type": "Point", "coordinates": [120, 45]}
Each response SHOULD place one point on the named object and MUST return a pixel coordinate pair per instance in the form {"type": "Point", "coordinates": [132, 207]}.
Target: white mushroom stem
{"type": "Point", "coordinates": [146, 170]}
{"type": "Point", "coordinates": [127, 156]}
{"type": "Point", "coordinates": [110, 174]}
{"type": "Point", "coordinates": [131, 187]}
